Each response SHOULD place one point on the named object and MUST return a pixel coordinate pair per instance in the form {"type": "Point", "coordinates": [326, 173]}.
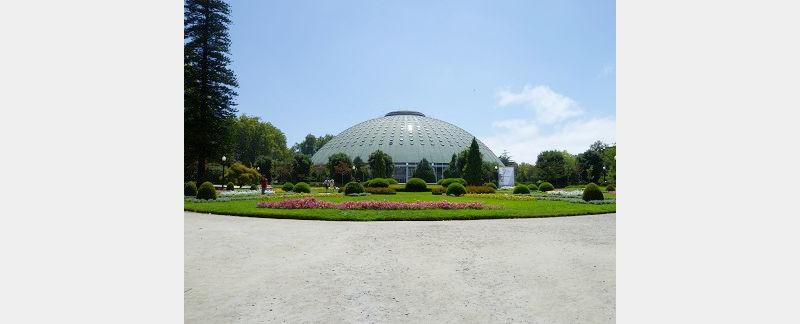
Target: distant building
{"type": "Point", "coordinates": [408, 137]}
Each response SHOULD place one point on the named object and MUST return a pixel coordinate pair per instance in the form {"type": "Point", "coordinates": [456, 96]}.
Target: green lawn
{"type": "Point", "coordinates": [504, 209]}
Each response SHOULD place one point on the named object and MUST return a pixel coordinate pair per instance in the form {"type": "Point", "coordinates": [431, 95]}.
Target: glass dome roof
{"type": "Point", "coordinates": [407, 136]}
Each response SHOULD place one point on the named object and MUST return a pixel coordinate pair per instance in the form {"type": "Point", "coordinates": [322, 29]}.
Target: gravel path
{"type": "Point", "coordinates": [545, 270]}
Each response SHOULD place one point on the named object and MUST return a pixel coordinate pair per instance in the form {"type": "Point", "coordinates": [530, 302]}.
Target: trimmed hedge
{"type": "Point", "coordinates": [288, 186]}
{"type": "Point", "coordinates": [190, 189]}
{"type": "Point", "coordinates": [546, 186]}
{"type": "Point", "coordinates": [611, 188]}
{"type": "Point", "coordinates": [437, 191]}
{"type": "Point", "coordinates": [521, 190]}
{"type": "Point", "coordinates": [378, 183]}
{"type": "Point", "coordinates": [207, 191]}
{"type": "Point", "coordinates": [480, 189]}
{"type": "Point", "coordinates": [533, 187]}
{"type": "Point", "coordinates": [253, 187]}
{"type": "Point", "coordinates": [230, 186]}
{"type": "Point", "coordinates": [490, 184]}
{"type": "Point", "coordinates": [380, 191]}
{"type": "Point", "coordinates": [592, 192]}
{"type": "Point", "coordinates": [353, 188]}
{"type": "Point", "coordinates": [456, 189]}
{"type": "Point", "coordinates": [302, 187]}
{"type": "Point", "coordinates": [416, 185]}
{"type": "Point", "coordinates": [446, 182]}
{"type": "Point", "coordinates": [392, 181]}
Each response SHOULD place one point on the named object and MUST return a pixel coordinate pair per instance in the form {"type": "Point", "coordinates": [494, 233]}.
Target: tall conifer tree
{"type": "Point", "coordinates": [472, 169]}
{"type": "Point", "coordinates": [208, 105]}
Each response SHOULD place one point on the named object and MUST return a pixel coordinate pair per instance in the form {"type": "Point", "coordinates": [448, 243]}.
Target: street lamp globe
{"type": "Point", "coordinates": [224, 158]}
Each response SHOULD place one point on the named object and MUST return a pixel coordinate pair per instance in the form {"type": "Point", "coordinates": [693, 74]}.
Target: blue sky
{"type": "Point", "coordinates": [522, 76]}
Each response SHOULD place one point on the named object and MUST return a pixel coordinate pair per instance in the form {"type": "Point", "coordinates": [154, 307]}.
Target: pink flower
{"type": "Point", "coordinates": [310, 203]}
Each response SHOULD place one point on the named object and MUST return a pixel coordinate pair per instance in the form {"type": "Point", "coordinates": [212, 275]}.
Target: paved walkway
{"type": "Point", "coordinates": [547, 270]}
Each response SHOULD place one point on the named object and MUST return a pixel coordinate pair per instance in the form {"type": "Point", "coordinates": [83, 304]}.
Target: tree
{"type": "Point", "coordinates": [590, 166]}
{"type": "Point", "coordinates": [472, 169]}
{"type": "Point", "coordinates": [452, 170]}
{"type": "Point", "coordinates": [424, 171]}
{"type": "Point", "coordinates": [241, 174]}
{"type": "Point", "coordinates": [311, 144]}
{"type": "Point", "coordinates": [380, 164]}
{"type": "Point", "coordinates": [552, 167]}
{"type": "Point", "coordinates": [252, 138]}
{"type": "Point", "coordinates": [362, 170]}
{"type": "Point", "coordinates": [301, 167]}
{"type": "Point", "coordinates": [208, 97]}
{"type": "Point", "coordinates": [526, 172]}
{"type": "Point", "coordinates": [570, 168]}
{"type": "Point", "coordinates": [264, 165]}
{"type": "Point", "coordinates": [506, 159]}
{"type": "Point", "coordinates": [340, 165]}
{"type": "Point", "coordinates": [610, 162]}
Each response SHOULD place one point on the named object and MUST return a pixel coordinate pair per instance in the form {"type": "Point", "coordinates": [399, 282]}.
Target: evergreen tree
{"type": "Point", "coordinates": [361, 169]}
{"type": "Point", "coordinates": [380, 164]}
{"type": "Point", "coordinates": [473, 170]}
{"type": "Point", "coordinates": [208, 105]}
{"type": "Point", "coordinates": [301, 167]}
{"type": "Point", "coordinates": [452, 170]}
{"type": "Point", "coordinates": [424, 171]}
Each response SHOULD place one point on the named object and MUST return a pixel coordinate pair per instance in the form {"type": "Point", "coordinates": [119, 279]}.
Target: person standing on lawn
{"type": "Point", "coordinates": [263, 184]}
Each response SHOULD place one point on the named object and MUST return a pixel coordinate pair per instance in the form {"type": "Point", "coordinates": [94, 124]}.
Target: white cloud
{"type": "Point", "coordinates": [524, 139]}
{"type": "Point", "coordinates": [557, 125]}
{"type": "Point", "coordinates": [550, 107]}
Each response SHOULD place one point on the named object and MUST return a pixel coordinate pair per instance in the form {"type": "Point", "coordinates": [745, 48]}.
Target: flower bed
{"type": "Point", "coordinates": [502, 196]}
{"type": "Point", "coordinates": [308, 203]}
{"type": "Point", "coordinates": [239, 192]}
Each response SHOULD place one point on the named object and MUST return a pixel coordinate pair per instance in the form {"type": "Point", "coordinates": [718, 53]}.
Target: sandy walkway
{"type": "Point", "coordinates": [548, 270]}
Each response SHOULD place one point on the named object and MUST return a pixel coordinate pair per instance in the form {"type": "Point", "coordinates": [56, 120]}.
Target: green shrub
{"type": "Point", "coordinates": [440, 181]}
{"type": "Point", "coordinates": [490, 184]}
{"type": "Point", "coordinates": [392, 180]}
{"type": "Point", "coordinates": [611, 188]}
{"type": "Point", "coordinates": [533, 187]}
{"type": "Point", "coordinates": [546, 186]}
{"type": "Point", "coordinates": [190, 189]}
{"type": "Point", "coordinates": [592, 192]}
{"type": "Point", "coordinates": [302, 187]}
{"type": "Point", "coordinates": [521, 190]}
{"type": "Point", "coordinates": [229, 186]}
{"type": "Point", "coordinates": [353, 188]}
{"type": "Point", "coordinates": [253, 187]}
{"type": "Point", "coordinates": [206, 191]}
{"type": "Point", "coordinates": [380, 191]}
{"type": "Point", "coordinates": [456, 189]}
{"type": "Point", "coordinates": [446, 182]}
{"type": "Point", "coordinates": [378, 183]}
{"type": "Point", "coordinates": [288, 186]}
{"type": "Point", "coordinates": [480, 189]}
{"type": "Point", "coordinates": [416, 185]}
{"type": "Point", "coordinates": [437, 191]}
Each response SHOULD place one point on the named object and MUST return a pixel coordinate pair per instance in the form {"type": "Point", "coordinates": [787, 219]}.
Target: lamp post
{"type": "Point", "coordinates": [354, 172]}
{"type": "Point", "coordinates": [498, 175]}
{"type": "Point", "coordinates": [223, 171]}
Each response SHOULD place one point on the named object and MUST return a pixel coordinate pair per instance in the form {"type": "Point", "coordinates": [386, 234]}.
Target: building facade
{"type": "Point", "coordinates": [406, 136]}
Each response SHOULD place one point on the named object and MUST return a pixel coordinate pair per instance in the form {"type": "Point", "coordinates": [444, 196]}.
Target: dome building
{"type": "Point", "coordinates": [406, 136]}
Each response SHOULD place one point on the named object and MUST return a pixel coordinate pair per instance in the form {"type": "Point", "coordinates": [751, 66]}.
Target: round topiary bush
{"type": "Point", "coordinates": [521, 190]}
{"type": "Point", "coordinates": [353, 188]}
{"type": "Point", "coordinates": [447, 181]}
{"type": "Point", "coordinates": [546, 186]}
{"type": "Point", "coordinates": [190, 189]}
{"type": "Point", "coordinates": [229, 186]}
{"type": "Point", "coordinates": [391, 180]}
{"type": "Point", "coordinates": [207, 191]}
{"type": "Point", "coordinates": [416, 185]}
{"type": "Point", "coordinates": [490, 184]}
{"type": "Point", "coordinates": [611, 188]}
{"type": "Point", "coordinates": [533, 187]}
{"type": "Point", "coordinates": [378, 183]}
{"type": "Point", "coordinates": [456, 189]}
{"type": "Point", "coordinates": [288, 186]}
{"type": "Point", "coordinates": [253, 187]}
{"type": "Point", "coordinates": [302, 187]}
{"type": "Point", "coordinates": [592, 192]}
